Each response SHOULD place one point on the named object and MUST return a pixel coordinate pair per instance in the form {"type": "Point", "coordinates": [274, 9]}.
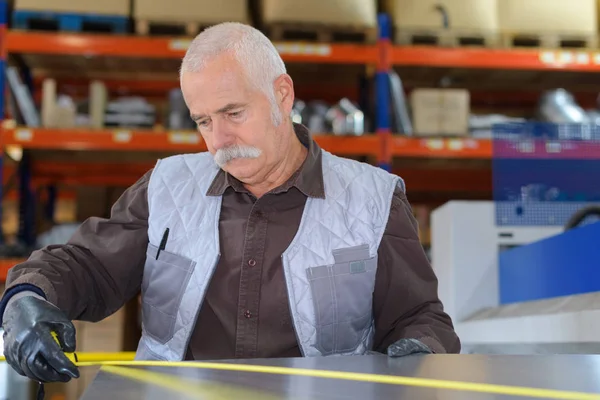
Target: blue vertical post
{"type": "Point", "coordinates": [382, 92]}
{"type": "Point", "coordinates": [26, 234]}
{"type": "Point", "coordinates": [27, 200]}
{"type": "Point", "coordinates": [51, 203]}
{"type": "Point", "coordinates": [3, 30]}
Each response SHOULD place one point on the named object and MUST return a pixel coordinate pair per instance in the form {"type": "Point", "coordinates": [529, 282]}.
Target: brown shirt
{"type": "Point", "coordinates": [245, 313]}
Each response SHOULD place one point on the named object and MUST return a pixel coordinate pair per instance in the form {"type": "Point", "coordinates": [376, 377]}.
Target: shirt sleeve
{"type": "Point", "coordinates": [101, 266]}
{"type": "Point", "coordinates": [405, 300]}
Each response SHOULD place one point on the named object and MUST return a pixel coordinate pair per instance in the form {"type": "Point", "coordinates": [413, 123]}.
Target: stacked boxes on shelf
{"type": "Point", "coordinates": [445, 22]}
{"type": "Point", "coordinates": [104, 7]}
{"type": "Point", "coordinates": [549, 23]}
{"type": "Point", "coordinates": [327, 20]}
{"type": "Point", "coordinates": [440, 112]}
{"type": "Point", "coordinates": [507, 23]}
{"type": "Point", "coordinates": [193, 15]}
{"type": "Point", "coordinates": [69, 15]}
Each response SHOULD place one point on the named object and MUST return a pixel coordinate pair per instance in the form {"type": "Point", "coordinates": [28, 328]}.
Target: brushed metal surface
{"type": "Point", "coordinates": [558, 372]}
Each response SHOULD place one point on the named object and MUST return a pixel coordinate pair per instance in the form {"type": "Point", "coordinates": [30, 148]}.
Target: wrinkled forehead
{"type": "Point", "coordinates": [215, 82]}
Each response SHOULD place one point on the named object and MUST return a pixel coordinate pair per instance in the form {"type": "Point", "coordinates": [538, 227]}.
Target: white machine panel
{"type": "Point", "coordinates": [465, 243]}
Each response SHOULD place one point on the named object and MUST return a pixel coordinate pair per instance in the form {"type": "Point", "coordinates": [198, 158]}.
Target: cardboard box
{"type": "Point", "coordinates": [104, 7]}
{"type": "Point", "coordinates": [358, 13]}
{"type": "Point", "coordinates": [455, 112]}
{"type": "Point", "coordinates": [200, 11]}
{"type": "Point", "coordinates": [438, 112]}
{"type": "Point", "coordinates": [548, 16]}
{"type": "Point", "coordinates": [464, 15]}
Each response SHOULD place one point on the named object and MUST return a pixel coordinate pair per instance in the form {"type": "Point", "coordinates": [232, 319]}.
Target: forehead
{"type": "Point", "coordinates": [221, 80]}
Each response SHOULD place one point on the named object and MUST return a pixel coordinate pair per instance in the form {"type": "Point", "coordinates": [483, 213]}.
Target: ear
{"type": "Point", "coordinates": [284, 93]}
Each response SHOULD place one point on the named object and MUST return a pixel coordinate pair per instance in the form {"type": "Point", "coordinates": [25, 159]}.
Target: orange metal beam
{"type": "Point", "coordinates": [5, 265]}
{"type": "Point", "coordinates": [128, 140]}
{"type": "Point", "coordinates": [154, 47]}
{"type": "Point", "coordinates": [528, 59]}
{"type": "Point", "coordinates": [119, 139]}
{"type": "Point", "coordinates": [441, 148]}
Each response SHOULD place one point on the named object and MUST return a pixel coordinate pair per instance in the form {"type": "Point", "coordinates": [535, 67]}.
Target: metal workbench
{"type": "Point", "coordinates": [579, 373]}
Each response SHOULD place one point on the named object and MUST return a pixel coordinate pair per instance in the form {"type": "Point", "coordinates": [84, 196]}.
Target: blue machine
{"type": "Point", "coordinates": [563, 265]}
{"type": "Point", "coordinates": [544, 173]}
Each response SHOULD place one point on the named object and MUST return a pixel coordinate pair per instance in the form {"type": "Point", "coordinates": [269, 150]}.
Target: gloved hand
{"type": "Point", "coordinates": [405, 347]}
{"type": "Point", "coordinates": [29, 347]}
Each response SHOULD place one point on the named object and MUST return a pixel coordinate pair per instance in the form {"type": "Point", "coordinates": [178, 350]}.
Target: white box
{"type": "Point", "coordinates": [548, 16]}
{"type": "Point", "coordinates": [105, 7]}
{"type": "Point", "coordinates": [464, 15]}
{"type": "Point", "coordinates": [200, 11]}
{"type": "Point", "coordinates": [440, 111]}
{"type": "Point", "coordinates": [359, 13]}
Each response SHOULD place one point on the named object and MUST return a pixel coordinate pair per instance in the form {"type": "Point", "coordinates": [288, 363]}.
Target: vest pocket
{"type": "Point", "coordinates": [165, 280]}
{"type": "Point", "coordinates": [343, 300]}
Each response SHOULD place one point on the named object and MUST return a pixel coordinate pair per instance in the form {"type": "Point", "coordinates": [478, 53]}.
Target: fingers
{"type": "Point", "coordinates": [38, 369]}
{"type": "Point", "coordinates": [40, 358]}
{"type": "Point", "coordinates": [66, 335]}
{"type": "Point", "coordinates": [56, 358]}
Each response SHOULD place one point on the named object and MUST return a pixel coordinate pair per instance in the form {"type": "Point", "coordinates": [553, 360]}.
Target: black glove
{"type": "Point", "coordinates": [405, 347]}
{"type": "Point", "coordinates": [29, 347]}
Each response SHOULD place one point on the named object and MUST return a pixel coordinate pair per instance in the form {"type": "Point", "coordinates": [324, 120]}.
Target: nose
{"type": "Point", "coordinates": [222, 136]}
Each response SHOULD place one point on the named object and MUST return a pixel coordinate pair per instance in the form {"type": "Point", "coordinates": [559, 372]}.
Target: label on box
{"type": "Point", "coordinates": [305, 49]}
{"type": "Point", "coordinates": [179, 44]}
{"type": "Point", "coordinates": [122, 136]}
{"type": "Point", "coordinates": [184, 138]}
{"type": "Point", "coordinates": [23, 135]}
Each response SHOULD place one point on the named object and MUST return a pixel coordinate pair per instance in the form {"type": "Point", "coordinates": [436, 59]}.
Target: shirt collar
{"type": "Point", "coordinates": [308, 178]}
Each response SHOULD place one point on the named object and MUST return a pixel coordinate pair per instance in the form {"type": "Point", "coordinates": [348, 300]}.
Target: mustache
{"type": "Point", "coordinates": [225, 155]}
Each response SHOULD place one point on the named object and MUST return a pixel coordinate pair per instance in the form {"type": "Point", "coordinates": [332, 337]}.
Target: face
{"type": "Point", "coordinates": [235, 118]}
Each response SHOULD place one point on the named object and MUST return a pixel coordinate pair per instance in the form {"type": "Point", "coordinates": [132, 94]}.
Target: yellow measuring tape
{"type": "Point", "coordinates": [117, 363]}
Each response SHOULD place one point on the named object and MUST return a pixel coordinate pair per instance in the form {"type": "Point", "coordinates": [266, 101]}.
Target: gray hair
{"type": "Point", "coordinates": [256, 54]}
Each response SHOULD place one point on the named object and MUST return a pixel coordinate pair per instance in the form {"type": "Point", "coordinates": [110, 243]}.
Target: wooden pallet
{"type": "Point", "coordinates": [168, 28]}
{"type": "Point", "coordinates": [449, 38]}
{"type": "Point", "coordinates": [69, 22]}
{"type": "Point", "coordinates": [321, 33]}
{"type": "Point", "coordinates": [549, 40]}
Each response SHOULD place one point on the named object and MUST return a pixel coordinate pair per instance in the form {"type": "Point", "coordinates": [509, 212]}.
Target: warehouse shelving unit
{"type": "Point", "coordinates": [384, 146]}
{"type": "Point", "coordinates": [132, 140]}
{"type": "Point", "coordinates": [90, 45]}
{"type": "Point", "coordinates": [504, 59]}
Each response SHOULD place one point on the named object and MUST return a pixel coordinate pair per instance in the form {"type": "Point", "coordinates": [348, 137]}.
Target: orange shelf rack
{"type": "Point", "coordinates": [462, 148]}
{"type": "Point", "coordinates": [177, 141]}
{"type": "Point", "coordinates": [132, 140]}
{"type": "Point", "coordinates": [510, 59]}
{"type": "Point", "coordinates": [22, 42]}
{"type": "Point", "coordinates": [86, 139]}
{"type": "Point", "coordinates": [5, 265]}
{"type": "Point", "coordinates": [153, 47]}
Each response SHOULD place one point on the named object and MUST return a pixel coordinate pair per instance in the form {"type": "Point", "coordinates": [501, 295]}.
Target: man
{"type": "Point", "coordinates": [264, 246]}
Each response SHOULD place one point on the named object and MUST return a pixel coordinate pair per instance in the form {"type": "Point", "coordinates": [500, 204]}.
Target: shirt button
{"type": "Point", "coordinates": [247, 314]}
{"type": "Point", "coordinates": [252, 262]}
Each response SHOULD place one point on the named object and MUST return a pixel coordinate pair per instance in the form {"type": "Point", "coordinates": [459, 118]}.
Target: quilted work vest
{"type": "Point", "coordinates": [329, 266]}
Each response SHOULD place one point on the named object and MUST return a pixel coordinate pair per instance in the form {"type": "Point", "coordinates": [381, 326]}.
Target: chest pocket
{"type": "Point", "coordinates": [165, 280]}
{"type": "Point", "coordinates": [343, 299]}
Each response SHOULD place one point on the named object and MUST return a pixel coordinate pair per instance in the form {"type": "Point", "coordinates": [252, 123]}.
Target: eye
{"type": "Point", "coordinates": [235, 114]}
{"type": "Point", "coordinates": [203, 123]}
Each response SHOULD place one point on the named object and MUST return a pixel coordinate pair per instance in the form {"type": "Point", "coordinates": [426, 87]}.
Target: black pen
{"type": "Point", "coordinates": [163, 242]}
